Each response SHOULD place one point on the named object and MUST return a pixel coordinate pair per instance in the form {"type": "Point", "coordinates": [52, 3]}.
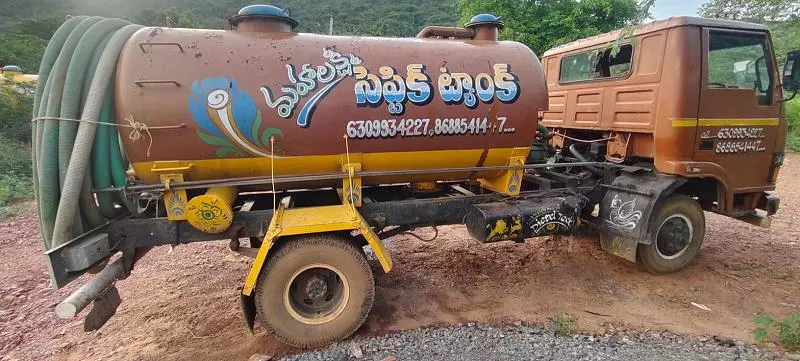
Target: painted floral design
{"type": "Point", "coordinates": [228, 118]}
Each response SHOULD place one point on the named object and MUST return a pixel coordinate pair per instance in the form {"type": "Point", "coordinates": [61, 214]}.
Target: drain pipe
{"type": "Point", "coordinates": [81, 298]}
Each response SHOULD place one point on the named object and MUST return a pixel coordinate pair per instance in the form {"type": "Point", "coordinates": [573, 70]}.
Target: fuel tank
{"type": "Point", "coordinates": [213, 104]}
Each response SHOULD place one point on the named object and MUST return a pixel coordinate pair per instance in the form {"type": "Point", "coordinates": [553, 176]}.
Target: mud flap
{"type": "Point", "coordinates": [248, 306]}
{"type": "Point", "coordinates": [627, 208]}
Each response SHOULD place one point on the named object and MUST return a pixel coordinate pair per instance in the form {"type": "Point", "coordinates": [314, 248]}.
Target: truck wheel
{"type": "Point", "coordinates": [676, 233]}
{"type": "Point", "coordinates": [314, 291]}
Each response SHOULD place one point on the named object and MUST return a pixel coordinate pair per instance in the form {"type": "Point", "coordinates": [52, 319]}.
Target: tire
{"type": "Point", "coordinates": [676, 235]}
{"type": "Point", "coordinates": [314, 291]}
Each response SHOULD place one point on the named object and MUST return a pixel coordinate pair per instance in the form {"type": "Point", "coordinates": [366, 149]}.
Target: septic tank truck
{"type": "Point", "coordinates": [301, 150]}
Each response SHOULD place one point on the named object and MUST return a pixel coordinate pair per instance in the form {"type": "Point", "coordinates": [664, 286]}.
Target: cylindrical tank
{"type": "Point", "coordinates": [221, 104]}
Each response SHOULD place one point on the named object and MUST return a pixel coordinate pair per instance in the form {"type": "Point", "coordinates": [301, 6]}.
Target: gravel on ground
{"type": "Point", "coordinates": [531, 342]}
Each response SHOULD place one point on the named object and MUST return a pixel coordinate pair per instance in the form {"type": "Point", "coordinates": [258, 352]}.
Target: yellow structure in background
{"type": "Point", "coordinates": [15, 74]}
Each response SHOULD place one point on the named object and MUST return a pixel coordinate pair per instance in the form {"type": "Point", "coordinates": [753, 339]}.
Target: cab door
{"type": "Point", "coordinates": [739, 110]}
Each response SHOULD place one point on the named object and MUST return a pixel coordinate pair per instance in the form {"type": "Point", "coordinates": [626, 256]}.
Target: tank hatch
{"type": "Point", "coordinates": [485, 26]}
{"type": "Point", "coordinates": [263, 18]}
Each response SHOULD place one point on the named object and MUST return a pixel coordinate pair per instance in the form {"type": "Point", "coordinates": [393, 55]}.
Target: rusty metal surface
{"type": "Point", "coordinates": [305, 92]}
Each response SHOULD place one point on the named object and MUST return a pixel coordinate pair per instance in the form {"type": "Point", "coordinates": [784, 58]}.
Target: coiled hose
{"type": "Point", "coordinates": [73, 102]}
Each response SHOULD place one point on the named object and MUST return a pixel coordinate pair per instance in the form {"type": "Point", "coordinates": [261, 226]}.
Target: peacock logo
{"type": "Point", "coordinates": [623, 215]}
{"type": "Point", "coordinates": [227, 118]}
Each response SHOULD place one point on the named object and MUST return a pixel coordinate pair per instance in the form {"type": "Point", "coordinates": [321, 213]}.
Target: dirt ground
{"type": "Point", "coordinates": [183, 304]}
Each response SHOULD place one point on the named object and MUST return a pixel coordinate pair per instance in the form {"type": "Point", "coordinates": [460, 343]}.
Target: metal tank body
{"type": "Point", "coordinates": [222, 104]}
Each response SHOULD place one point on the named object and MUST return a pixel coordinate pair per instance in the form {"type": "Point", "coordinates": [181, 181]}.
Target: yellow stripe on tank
{"type": "Point", "coordinates": [207, 169]}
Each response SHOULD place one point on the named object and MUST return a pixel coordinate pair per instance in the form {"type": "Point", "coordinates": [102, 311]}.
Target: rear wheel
{"type": "Point", "coordinates": [677, 232]}
{"type": "Point", "coordinates": [315, 290]}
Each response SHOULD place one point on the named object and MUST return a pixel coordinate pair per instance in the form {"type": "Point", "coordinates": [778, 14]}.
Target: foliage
{"type": "Point", "coordinates": [15, 158]}
{"type": "Point", "coordinates": [782, 16]}
{"type": "Point", "coordinates": [30, 23]}
{"type": "Point", "coordinates": [788, 330]}
{"type": "Point", "coordinates": [13, 188]}
{"type": "Point", "coordinates": [15, 179]}
{"type": "Point", "coordinates": [793, 114]}
{"type": "Point", "coordinates": [563, 323]}
{"type": "Point", "coordinates": [544, 24]}
{"type": "Point", "coordinates": [758, 11]}
{"type": "Point", "coordinates": [375, 17]}
{"type": "Point", "coordinates": [785, 38]}
{"type": "Point", "coordinates": [40, 27]}
{"type": "Point", "coordinates": [15, 111]}
{"type": "Point", "coordinates": [22, 50]}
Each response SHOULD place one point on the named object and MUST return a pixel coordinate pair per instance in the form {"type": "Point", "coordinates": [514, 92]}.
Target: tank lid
{"type": "Point", "coordinates": [264, 12]}
{"type": "Point", "coordinates": [12, 68]}
{"type": "Point", "coordinates": [485, 19]}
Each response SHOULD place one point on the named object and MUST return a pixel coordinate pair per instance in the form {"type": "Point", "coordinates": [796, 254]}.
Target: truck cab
{"type": "Point", "coordinates": [697, 98]}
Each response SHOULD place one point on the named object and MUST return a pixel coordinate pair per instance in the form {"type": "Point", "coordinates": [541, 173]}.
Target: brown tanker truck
{"type": "Point", "coordinates": [302, 149]}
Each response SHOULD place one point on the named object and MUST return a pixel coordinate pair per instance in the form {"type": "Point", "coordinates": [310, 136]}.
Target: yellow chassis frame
{"type": "Point", "coordinates": [345, 217]}
{"type": "Point", "coordinates": [309, 220]}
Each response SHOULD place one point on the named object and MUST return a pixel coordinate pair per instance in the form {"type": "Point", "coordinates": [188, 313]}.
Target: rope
{"type": "Point", "coordinates": [272, 172]}
{"type": "Point", "coordinates": [349, 176]}
{"type": "Point", "coordinates": [136, 127]}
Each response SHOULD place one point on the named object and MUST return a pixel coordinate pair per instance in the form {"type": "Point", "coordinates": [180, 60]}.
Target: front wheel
{"type": "Point", "coordinates": [315, 290]}
{"type": "Point", "coordinates": [676, 234]}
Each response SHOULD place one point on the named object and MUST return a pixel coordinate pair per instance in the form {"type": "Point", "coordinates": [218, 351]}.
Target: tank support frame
{"type": "Point", "coordinates": [385, 211]}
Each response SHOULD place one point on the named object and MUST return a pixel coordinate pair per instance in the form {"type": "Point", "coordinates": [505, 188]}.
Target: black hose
{"type": "Point", "coordinates": [577, 154]}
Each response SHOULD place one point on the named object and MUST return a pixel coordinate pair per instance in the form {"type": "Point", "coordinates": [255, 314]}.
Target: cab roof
{"type": "Point", "coordinates": [658, 25]}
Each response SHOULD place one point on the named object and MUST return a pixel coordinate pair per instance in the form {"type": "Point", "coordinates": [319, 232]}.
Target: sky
{"type": "Point", "coordinates": [666, 8]}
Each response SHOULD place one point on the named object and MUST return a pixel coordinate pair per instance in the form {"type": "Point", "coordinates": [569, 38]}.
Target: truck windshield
{"type": "Point", "coordinates": [738, 61]}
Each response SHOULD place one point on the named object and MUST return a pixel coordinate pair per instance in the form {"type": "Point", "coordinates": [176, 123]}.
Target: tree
{"type": "Point", "coordinates": [542, 25]}
{"type": "Point", "coordinates": [24, 51]}
{"type": "Point", "coordinates": [759, 11]}
{"type": "Point", "coordinates": [40, 27]}
{"type": "Point", "coordinates": [782, 16]}
{"type": "Point", "coordinates": [785, 38]}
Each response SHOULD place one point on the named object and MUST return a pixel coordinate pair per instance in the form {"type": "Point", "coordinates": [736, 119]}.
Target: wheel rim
{"type": "Point", "coordinates": [674, 236]}
{"type": "Point", "coordinates": [316, 294]}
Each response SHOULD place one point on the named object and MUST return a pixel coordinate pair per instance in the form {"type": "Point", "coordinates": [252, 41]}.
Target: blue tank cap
{"type": "Point", "coordinates": [12, 68]}
{"type": "Point", "coordinates": [264, 12]}
{"type": "Point", "coordinates": [485, 19]}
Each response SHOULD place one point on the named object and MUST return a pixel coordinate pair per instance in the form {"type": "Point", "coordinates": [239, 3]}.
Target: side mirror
{"type": "Point", "coordinates": [791, 72]}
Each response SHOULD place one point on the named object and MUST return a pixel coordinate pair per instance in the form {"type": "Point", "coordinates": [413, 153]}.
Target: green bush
{"type": "Point", "coordinates": [13, 188]}
{"type": "Point", "coordinates": [788, 330]}
{"type": "Point", "coordinates": [15, 178]}
{"type": "Point", "coordinates": [15, 154]}
{"type": "Point", "coordinates": [15, 111]}
{"type": "Point", "coordinates": [793, 113]}
{"type": "Point", "coordinates": [15, 158]}
{"type": "Point", "coordinates": [563, 323]}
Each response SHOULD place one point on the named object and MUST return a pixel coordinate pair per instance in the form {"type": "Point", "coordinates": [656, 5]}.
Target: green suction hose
{"type": "Point", "coordinates": [101, 152]}
{"type": "Point", "coordinates": [48, 168]}
{"type": "Point", "coordinates": [75, 75]}
{"type": "Point", "coordinates": [76, 79]}
{"type": "Point", "coordinates": [81, 152]}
